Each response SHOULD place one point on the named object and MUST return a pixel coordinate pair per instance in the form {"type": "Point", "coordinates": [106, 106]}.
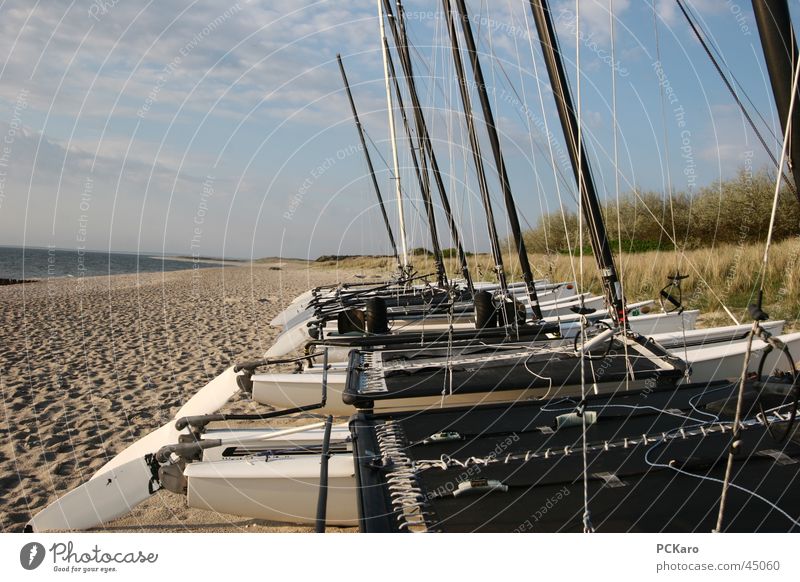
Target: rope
{"type": "Point", "coordinates": [665, 127]}
{"type": "Point", "coordinates": [544, 208]}
{"type": "Point", "coordinates": [715, 480]}
{"type": "Point", "coordinates": [548, 136]}
{"type": "Point", "coordinates": [698, 21]}
{"type": "Point", "coordinates": [700, 430]}
{"type": "Point", "coordinates": [680, 254]}
{"type": "Point", "coordinates": [587, 516]}
{"type": "Point", "coordinates": [739, 403]}
{"type": "Point", "coordinates": [628, 364]}
{"type": "Point", "coordinates": [736, 428]}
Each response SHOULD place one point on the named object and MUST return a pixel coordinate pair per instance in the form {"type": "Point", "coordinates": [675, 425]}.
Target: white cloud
{"type": "Point", "coordinates": [259, 46]}
{"type": "Point", "coordinates": [256, 90]}
{"type": "Point", "coordinates": [594, 18]}
{"type": "Point", "coordinates": [670, 14]}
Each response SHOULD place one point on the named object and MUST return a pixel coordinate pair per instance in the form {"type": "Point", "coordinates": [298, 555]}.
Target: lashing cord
{"type": "Point", "coordinates": [666, 293]}
{"type": "Point", "coordinates": [775, 343]}
{"type": "Point", "coordinates": [584, 326]}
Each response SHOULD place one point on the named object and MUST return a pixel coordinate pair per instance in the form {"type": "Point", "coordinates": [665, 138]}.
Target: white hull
{"type": "Point", "coordinates": [282, 489]}
{"type": "Point", "coordinates": [673, 340]}
{"type": "Point", "coordinates": [727, 361]}
{"type": "Point", "coordinates": [286, 489]}
{"type": "Point", "coordinates": [303, 393]}
{"type": "Point", "coordinates": [261, 439]}
{"type": "Point", "coordinates": [553, 302]}
{"type": "Point", "coordinates": [645, 324]}
{"type": "Point", "coordinates": [707, 363]}
{"type": "Point", "coordinates": [98, 500]}
{"type": "Point", "coordinates": [301, 302]}
{"type": "Point", "coordinates": [208, 400]}
{"type": "Point", "coordinates": [680, 342]}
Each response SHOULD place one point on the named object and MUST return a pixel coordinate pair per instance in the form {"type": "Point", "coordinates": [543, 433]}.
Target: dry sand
{"type": "Point", "coordinates": [89, 365]}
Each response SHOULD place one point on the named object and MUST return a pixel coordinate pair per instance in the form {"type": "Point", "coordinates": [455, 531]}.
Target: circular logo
{"type": "Point", "coordinates": [31, 555]}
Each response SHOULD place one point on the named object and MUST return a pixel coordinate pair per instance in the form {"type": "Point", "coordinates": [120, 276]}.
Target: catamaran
{"type": "Point", "coordinates": [650, 411]}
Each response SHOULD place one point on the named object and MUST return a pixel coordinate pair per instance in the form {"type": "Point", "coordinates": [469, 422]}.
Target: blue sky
{"type": "Point", "coordinates": [222, 128]}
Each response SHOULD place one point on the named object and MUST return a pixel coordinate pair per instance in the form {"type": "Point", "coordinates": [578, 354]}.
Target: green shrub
{"type": "Point", "coordinates": [735, 211]}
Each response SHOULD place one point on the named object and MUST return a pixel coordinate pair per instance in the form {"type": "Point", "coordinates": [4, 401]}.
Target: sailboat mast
{"type": "Point", "coordinates": [780, 52]}
{"type": "Point", "coordinates": [421, 171]}
{"type": "Point", "coordinates": [398, 32]}
{"type": "Point", "coordinates": [475, 148]}
{"type": "Point", "coordinates": [370, 167]}
{"type": "Point", "coordinates": [393, 137]}
{"type": "Point", "coordinates": [494, 140]}
{"type": "Point", "coordinates": [580, 164]}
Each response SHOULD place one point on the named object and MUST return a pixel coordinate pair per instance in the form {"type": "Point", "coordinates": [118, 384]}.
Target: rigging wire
{"type": "Point", "coordinates": [733, 93]}
{"type": "Point", "coordinates": [620, 268]}
{"type": "Point", "coordinates": [587, 516]}
{"type": "Point", "coordinates": [509, 243]}
{"type": "Point", "coordinates": [689, 263]}
{"type": "Point", "coordinates": [712, 44]}
{"type": "Point", "coordinates": [391, 172]}
{"type": "Point", "coordinates": [702, 477]}
{"type": "Point", "coordinates": [550, 139]}
{"type": "Point", "coordinates": [665, 127]}
{"type": "Point", "coordinates": [440, 89]}
{"type": "Point", "coordinates": [680, 253]}
{"type": "Point", "coordinates": [761, 276]}
{"type": "Point", "coordinates": [499, 63]}
{"type": "Point", "coordinates": [543, 207]}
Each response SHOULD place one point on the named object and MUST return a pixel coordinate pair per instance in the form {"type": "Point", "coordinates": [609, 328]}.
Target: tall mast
{"type": "Point", "coordinates": [780, 52]}
{"type": "Point", "coordinates": [398, 32]}
{"type": "Point", "coordinates": [475, 148]}
{"type": "Point", "coordinates": [580, 165]}
{"type": "Point", "coordinates": [390, 107]}
{"type": "Point", "coordinates": [369, 160]}
{"type": "Point", "coordinates": [421, 171]}
{"type": "Point", "coordinates": [494, 140]}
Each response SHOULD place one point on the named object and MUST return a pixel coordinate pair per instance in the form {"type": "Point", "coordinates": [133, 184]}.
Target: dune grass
{"type": "Point", "coordinates": [720, 275]}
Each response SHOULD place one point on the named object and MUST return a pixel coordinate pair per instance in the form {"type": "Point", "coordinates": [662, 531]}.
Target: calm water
{"type": "Point", "coordinates": [38, 263]}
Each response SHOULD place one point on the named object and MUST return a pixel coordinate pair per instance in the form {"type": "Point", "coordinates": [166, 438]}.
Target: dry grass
{"type": "Point", "coordinates": [724, 274]}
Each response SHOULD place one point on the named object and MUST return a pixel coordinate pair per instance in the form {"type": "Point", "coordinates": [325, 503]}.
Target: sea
{"type": "Point", "coordinates": [41, 263]}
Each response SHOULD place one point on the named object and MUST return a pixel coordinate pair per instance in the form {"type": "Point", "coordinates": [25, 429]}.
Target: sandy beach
{"type": "Point", "coordinates": [89, 365]}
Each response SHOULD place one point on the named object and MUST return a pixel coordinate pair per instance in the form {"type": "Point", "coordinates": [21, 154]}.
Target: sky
{"type": "Point", "coordinates": [213, 128]}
